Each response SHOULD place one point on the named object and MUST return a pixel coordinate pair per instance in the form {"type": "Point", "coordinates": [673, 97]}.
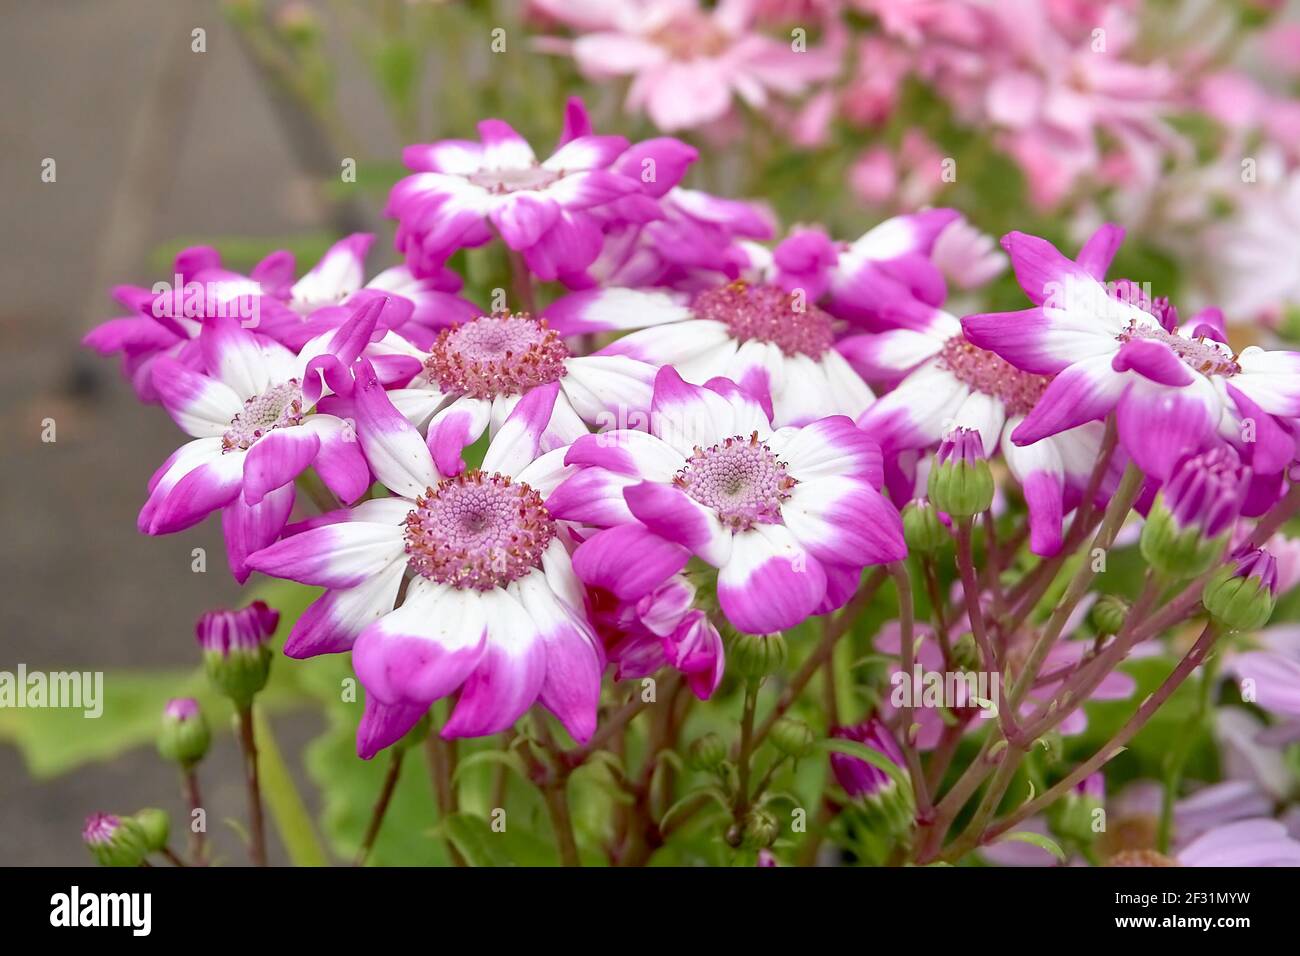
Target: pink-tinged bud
{"type": "Point", "coordinates": [1190, 520]}
{"type": "Point", "coordinates": [114, 841]}
{"type": "Point", "coordinates": [961, 483]}
{"type": "Point", "coordinates": [695, 648]}
{"type": "Point", "coordinates": [1092, 786]}
{"type": "Point", "coordinates": [1079, 815]}
{"type": "Point", "coordinates": [888, 806]}
{"type": "Point", "coordinates": [235, 649]}
{"type": "Point", "coordinates": [184, 736]}
{"type": "Point", "coordinates": [1241, 594]}
{"type": "Point", "coordinates": [766, 858]}
{"type": "Point", "coordinates": [855, 775]}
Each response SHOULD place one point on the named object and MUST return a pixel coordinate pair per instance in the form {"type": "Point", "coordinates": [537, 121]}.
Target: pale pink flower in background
{"type": "Point", "coordinates": [908, 179]}
{"type": "Point", "coordinates": [688, 64]}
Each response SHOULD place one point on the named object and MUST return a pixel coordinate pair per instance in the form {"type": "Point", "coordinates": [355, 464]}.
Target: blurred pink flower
{"type": "Point", "coordinates": [688, 63]}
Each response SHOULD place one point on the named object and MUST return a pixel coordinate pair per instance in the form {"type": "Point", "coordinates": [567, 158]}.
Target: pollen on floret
{"type": "Point", "coordinates": [278, 407]}
{"type": "Point", "coordinates": [504, 354]}
{"type": "Point", "coordinates": [1201, 354]}
{"type": "Point", "coordinates": [993, 375]}
{"type": "Point", "coordinates": [740, 479]}
{"type": "Point", "coordinates": [768, 314]}
{"type": "Point", "coordinates": [478, 531]}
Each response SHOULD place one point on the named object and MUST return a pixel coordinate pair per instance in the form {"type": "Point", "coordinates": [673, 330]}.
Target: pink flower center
{"type": "Point", "coordinates": [768, 314]}
{"type": "Point", "coordinates": [496, 355]}
{"type": "Point", "coordinates": [993, 375]}
{"type": "Point", "coordinates": [519, 179]}
{"type": "Point", "coordinates": [1204, 355]}
{"type": "Point", "coordinates": [478, 531]}
{"type": "Point", "coordinates": [739, 479]}
{"type": "Point", "coordinates": [691, 36]}
{"type": "Point", "coordinates": [278, 407]}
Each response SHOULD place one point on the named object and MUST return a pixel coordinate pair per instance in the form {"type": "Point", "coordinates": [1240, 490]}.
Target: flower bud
{"type": "Point", "coordinates": [923, 529]}
{"type": "Point", "coordinates": [706, 752]}
{"type": "Point", "coordinates": [1192, 516]}
{"type": "Point", "coordinates": [758, 655]}
{"type": "Point", "coordinates": [155, 825]}
{"type": "Point", "coordinates": [184, 737]}
{"type": "Point", "coordinates": [114, 841]}
{"type": "Point", "coordinates": [961, 483]}
{"type": "Point", "coordinates": [1108, 614]}
{"type": "Point", "coordinates": [1075, 814]}
{"type": "Point", "coordinates": [236, 651]}
{"type": "Point", "coordinates": [695, 648]}
{"type": "Point", "coordinates": [792, 737]}
{"type": "Point", "coordinates": [761, 829]}
{"type": "Point", "coordinates": [966, 653]}
{"type": "Point", "coordinates": [889, 807]}
{"type": "Point", "coordinates": [1241, 594]}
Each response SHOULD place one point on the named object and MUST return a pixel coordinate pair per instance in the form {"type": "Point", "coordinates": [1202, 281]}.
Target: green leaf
{"type": "Point", "coordinates": [292, 821]}
{"type": "Point", "coordinates": [1038, 840]}
{"type": "Point", "coordinates": [508, 759]}
{"type": "Point", "coordinates": [475, 840]}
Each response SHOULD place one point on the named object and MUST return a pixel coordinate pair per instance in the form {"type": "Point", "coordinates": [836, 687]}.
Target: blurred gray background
{"type": "Point", "coordinates": [152, 142]}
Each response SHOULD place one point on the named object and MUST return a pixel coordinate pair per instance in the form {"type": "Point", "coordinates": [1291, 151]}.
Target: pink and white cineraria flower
{"type": "Point", "coordinates": [167, 318]}
{"type": "Point", "coordinates": [1174, 390]}
{"type": "Point", "coordinates": [462, 192]}
{"type": "Point", "coordinates": [250, 410]}
{"type": "Point", "coordinates": [492, 605]}
{"type": "Point", "coordinates": [474, 374]}
{"type": "Point", "coordinates": [776, 345]}
{"type": "Point", "coordinates": [889, 262]}
{"type": "Point", "coordinates": [688, 63]}
{"type": "Point", "coordinates": [789, 516]}
{"type": "Point", "coordinates": [946, 383]}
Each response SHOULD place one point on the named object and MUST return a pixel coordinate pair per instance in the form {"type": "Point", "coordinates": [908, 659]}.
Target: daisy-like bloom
{"type": "Point", "coordinates": [688, 63]}
{"type": "Point", "coordinates": [946, 383]}
{"type": "Point", "coordinates": [491, 606]}
{"type": "Point", "coordinates": [475, 373]}
{"type": "Point", "coordinates": [1174, 390]}
{"type": "Point", "coordinates": [789, 516]}
{"type": "Point", "coordinates": [462, 192]}
{"type": "Point", "coordinates": [771, 342]}
{"type": "Point", "coordinates": [889, 262]}
{"type": "Point", "coordinates": [166, 319]}
{"type": "Point", "coordinates": [250, 411]}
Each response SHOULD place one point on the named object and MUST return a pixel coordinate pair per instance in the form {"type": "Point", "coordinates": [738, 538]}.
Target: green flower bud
{"type": "Point", "coordinates": [792, 737]}
{"type": "Point", "coordinates": [758, 655]}
{"type": "Point", "coordinates": [1108, 614]}
{"type": "Point", "coordinates": [155, 825]}
{"type": "Point", "coordinates": [707, 752]}
{"type": "Point", "coordinates": [184, 736]}
{"type": "Point", "coordinates": [115, 841]}
{"type": "Point", "coordinates": [966, 653]}
{"type": "Point", "coordinates": [961, 483]}
{"type": "Point", "coordinates": [761, 829]}
{"type": "Point", "coordinates": [1075, 815]}
{"type": "Point", "coordinates": [923, 530]}
{"type": "Point", "coordinates": [236, 651]}
{"type": "Point", "coordinates": [1241, 594]}
{"type": "Point", "coordinates": [1190, 521]}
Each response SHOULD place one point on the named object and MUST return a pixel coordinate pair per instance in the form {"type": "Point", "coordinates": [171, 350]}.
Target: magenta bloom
{"type": "Point", "coordinates": [250, 410]}
{"type": "Point", "coordinates": [789, 516]}
{"type": "Point", "coordinates": [99, 829]}
{"type": "Point", "coordinates": [1175, 390]}
{"type": "Point", "coordinates": [462, 192]}
{"type": "Point", "coordinates": [185, 708]}
{"type": "Point", "coordinates": [492, 607]}
{"type": "Point", "coordinates": [771, 343]}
